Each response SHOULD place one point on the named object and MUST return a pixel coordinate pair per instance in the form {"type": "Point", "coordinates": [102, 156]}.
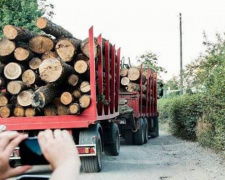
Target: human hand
{"type": "Point", "coordinates": [59, 149]}
{"type": "Point", "coordinates": [8, 141]}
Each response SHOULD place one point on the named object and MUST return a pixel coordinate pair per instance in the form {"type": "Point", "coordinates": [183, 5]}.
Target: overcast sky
{"type": "Point", "coordinates": [138, 26]}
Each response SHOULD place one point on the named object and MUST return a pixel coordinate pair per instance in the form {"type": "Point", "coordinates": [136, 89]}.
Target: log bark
{"type": "Point", "coordinates": [49, 55]}
{"type": "Point", "coordinates": [81, 57]}
{"type": "Point", "coordinates": [81, 67]}
{"type": "Point", "coordinates": [17, 33]}
{"type": "Point", "coordinates": [50, 110]}
{"type": "Point", "coordinates": [3, 100]}
{"type": "Point", "coordinates": [51, 28]}
{"type": "Point", "coordinates": [62, 110]}
{"type": "Point", "coordinates": [85, 48]}
{"type": "Point", "coordinates": [30, 112]}
{"type": "Point", "coordinates": [74, 108]}
{"type": "Point", "coordinates": [34, 63]}
{"type": "Point", "coordinates": [44, 95]}
{"type": "Point", "coordinates": [132, 87]}
{"type": "Point", "coordinates": [66, 48]}
{"type": "Point", "coordinates": [23, 54]}
{"type": "Point", "coordinates": [6, 111]}
{"type": "Point", "coordinates": [125, 81]}
{"type": "Point", "coordinates": [77, 93]}
{"type": "Point", "coordinates": [25, 98]}
{"type": "Point", "coordinates": [73, 80]}
{"type": "Point", "coordinates": [52, 70]}
{"type": "Point", "coordinates": [41, 44]}
{"type": "Point", "coordinates": [123, 72]}
{"type": "Point", "coordinates": [2, 82]}
{"type": "Point", "coordinates": [18, 111]}
{"type": "Point", "coordinates": [6, 47]}
{"type": "Point", "coordinates": [2, 66]}
{"type": "Point", "coordinates": [66, 98]}
{"type": "Point", "coordinates": [84, 101]}
{"type": "Point", "coordinates": [29, 77]}
{"type": "Point", "coordinates": [13, 70]}
{"type": "Point", "coordinates": [15, 87]}
{"type": "Point", "coordinates": [85, 87]}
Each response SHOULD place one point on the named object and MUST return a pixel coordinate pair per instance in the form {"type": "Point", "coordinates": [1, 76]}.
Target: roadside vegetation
{"type": "Point", "coordinates": [199, 114]}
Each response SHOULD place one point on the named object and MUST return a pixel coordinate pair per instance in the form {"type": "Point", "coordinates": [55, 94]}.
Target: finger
{"type": "Point", "coordinates": [58, 134]}
{"type": "Point", "coordinates": [41, 140]}
{"type": "Point", "coordinates": [13, 143]}
{"type": "Point", "coordinates": [48, 134]}
{"type": "Point", "coordinates": [19, 170]}
{"type": "Point", "coordinates": [66, 134]}
{"type": "Point", "coordinates": [6, 137]}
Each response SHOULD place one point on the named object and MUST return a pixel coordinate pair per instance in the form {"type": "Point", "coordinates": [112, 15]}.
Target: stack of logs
{"type": "Point", "coordinates": [130, 81]}
{"type": "Point", "coordinates": [43, 74]}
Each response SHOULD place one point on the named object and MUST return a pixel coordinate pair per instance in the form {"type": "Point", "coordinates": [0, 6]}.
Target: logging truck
{"type": "Point", "coordinates": [95, 109]}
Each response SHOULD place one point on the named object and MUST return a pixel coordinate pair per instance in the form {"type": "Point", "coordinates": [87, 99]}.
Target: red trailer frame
{"type": "Point", "coordinates": [97, 111]}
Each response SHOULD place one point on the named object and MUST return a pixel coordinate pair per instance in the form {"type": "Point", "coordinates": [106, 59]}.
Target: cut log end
{"type": "Point", "coordinates": [80, 66]}
{"type": "Point", "coordinates": [84, 101]}
{"type": "Point", "coordinates": [21, 54]}
{"type": "Point", "coordinates": [41, 44]}
{"type": "Point", "coordinates": [133, 74]}
{"type": "Point", "coordinates": [74, 108]}
{"type": "Point", "coordinates": [12, 71]}
{"type": "Point", "coordinates": [5, 112]}
{"type": "Point", "coordinates": [29, 77]}
{"type": "Point", "coordinates": [10, 32]}
{"type": "Point", "coordinates": [50, 111]}
{"type": "Point", "coordinates": [25, 98]}
{"type": "Point", "coordinates": [18, 111]}
{"type": "Point", "coordinates": [15, 87]}
{"type": "Point", "coordinates": [73, 80]}
{"type": "Point", "coordinates": [49, 54]}
{"type": "Point", "coordinates": [41, 23]}
{"type": "Point", "coordinates": [34, 63]}
{"type": "Point", "coordinates": [30, 112]}
{"type": "Point", "coordinates": [62, 110]}
{"type": "Point", "coordinates": [125, 81]}
{"type": "Point", "coordinates": [85, 87]}
{"type": "Point", "coordinates": [66, 98]}
{"type": "Point", "coordinates": [6, 47]}
{"type": "Point", "coordinates": [77, 93]}
{"type": "Point", "coordinates": [3, 100]}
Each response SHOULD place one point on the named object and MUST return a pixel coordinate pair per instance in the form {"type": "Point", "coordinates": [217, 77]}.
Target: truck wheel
{"type": "Point", "coordinates": [92, 164]}
{"type": "Point", "coordinates": [139, 135]}
{"type": "Point", "coordinates": [129, 137]}
{"type": "Point", "coordinates": [155, 132]}
{"type": "Point", "coordinates": [113, 147]}
{"type": "Point", "coordinates": [145, 131]}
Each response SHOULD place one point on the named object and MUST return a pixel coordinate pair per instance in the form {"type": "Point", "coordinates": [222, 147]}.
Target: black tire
{"type": "Point", "coordinates": [113, 147]}
{"type": "Point", "coordinates": [93, 164]}
{"type": "Point", "coordinates": [139, 134]}
{"type": "Point", "coordinates": [128, 136]}
{"type": "Point", "coordinates": [155, 132]}
{"type": "Point", "coordinates": [145, 131]}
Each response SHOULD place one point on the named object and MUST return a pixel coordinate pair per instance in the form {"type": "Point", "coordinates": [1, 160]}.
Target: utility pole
{"type": "Point", "coordinates": [181, 56]}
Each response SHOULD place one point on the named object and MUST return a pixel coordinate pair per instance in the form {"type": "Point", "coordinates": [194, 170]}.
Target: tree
{"type": "Point", "coordinates": [23, 13]}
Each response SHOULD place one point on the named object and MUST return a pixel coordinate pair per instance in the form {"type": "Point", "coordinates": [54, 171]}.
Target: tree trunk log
{"type": "Point", "coordinates": [85, 87]}
{"type": "Point", "coordinates": [73, 80]}
{"type": "Point", "coordinates": [49, 55]}
{"type": "Point", "coordinates": [34, 63]}
{"type": "Point", "coordinates": [41, 44]}
{"type": "Point", "coordinates": [6, 111]}
{"type": "Point", "coordinates": [3, 100]}
{"type": "Point", "coordinates": [77, 93]}
{"type": "Point", "coordinates": [81, 57]}
{"type": "Point", "coordinates": [85, 47]}
{"type": "Point", "coordinates": [125, 81]}
{"type": "Point", "coordinates": [2, 66]}
{"type": "Point", "coordinates": [50, 110]}
{"type": "Point", "coordinates": [66, 98]}
{"type": "Point", "coordinates": [15, 87]}
{"type": "Point", "coordinates": [52, 70]}
{"type": "Point", "coordinates": [18, 111]}
{"type": "Point", "coordinates": [17, 33]}
{"type": "Point", "coordinates": [13, 70]}
{"type": "Point", "coordinates": [66, 48]}
{"type": "Point", "coordinates": [81, 67]}
{"type": "Point", "coordinates": [134, 74]}
{"type": "Point", "coordinates": [51, 28]}
{"type": "Point", "coordinates": [62, 110]}
{"type": "Point", "coordinates": [84, 101]}
{"type": "Point", "coordinates": [2, 82]}
{"type": "Point", "coordinates": [25, 98]}
{"type": "Point", "coordinates": [6, 47]}
{"type": "Point", "coordinates": [132, 87]}
{"type": "Point", "coordinates": [123, 72]}
{"type": "Point", "coordinates": [30, 112]}
{"type": "Point", "coordinates": [74, 108]}
{"type": "Point", "coordinates": [29, 77]}
{"type": "Point", "coordinates": [44, 95]}
{"type": "Point", "coordinates": [23, 54]}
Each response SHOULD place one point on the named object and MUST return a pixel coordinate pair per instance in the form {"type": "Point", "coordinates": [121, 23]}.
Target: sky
{"type": "Point", "coordinates": [141, 25]}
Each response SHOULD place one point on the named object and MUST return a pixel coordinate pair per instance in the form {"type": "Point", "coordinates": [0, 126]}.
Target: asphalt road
{"type": "Point", "coordinates": [162, 158]}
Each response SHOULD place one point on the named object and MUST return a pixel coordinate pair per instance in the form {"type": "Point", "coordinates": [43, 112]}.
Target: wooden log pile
{"type": "Point", "coordinates": [43, 74]}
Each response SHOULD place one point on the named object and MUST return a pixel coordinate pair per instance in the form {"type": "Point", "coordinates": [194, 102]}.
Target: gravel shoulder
{"type": "Point", "coordinates": [162, 158]}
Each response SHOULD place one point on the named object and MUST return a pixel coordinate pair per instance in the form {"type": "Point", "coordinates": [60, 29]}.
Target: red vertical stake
{"type": "Point", "coordinates": [147, 97]}
{"type": "Point", "coordinates": [141, 91]}
{"type": "Point", "coordinates": [112, 89]}
{"type": "Point", "coordinates": [107, 81]}
{"type": "Point", "coordinates": [92, 73]}
{"type": "Point", "coordinates": [117, 79]}
{"type": "Point", "coordinates": [150, 93]}
{"type": "Point", "coordinates": [100, 76]}
{"type": "Point", "coordinates": [156, 97]}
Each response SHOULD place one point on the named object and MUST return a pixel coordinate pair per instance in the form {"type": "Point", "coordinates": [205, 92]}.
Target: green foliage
{"type": "Point", "coordinates": [23, 13]}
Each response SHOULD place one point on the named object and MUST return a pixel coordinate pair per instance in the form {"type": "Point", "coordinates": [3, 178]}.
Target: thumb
{"type": "Point", "coordinates": [19, 170]}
